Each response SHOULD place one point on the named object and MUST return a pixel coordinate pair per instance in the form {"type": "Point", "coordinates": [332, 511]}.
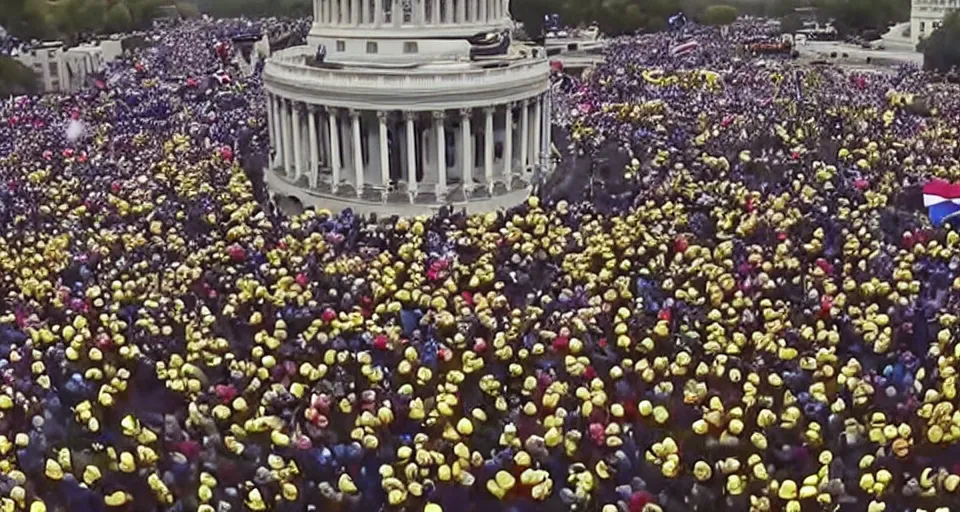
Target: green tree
{"type": "Point", "coordinates": [71, 18]}
{"type": "Point", "coordinates": [15, 78]}
{"type": "Point", "coordinates": [143, 11]}
{"type": "Point", "coordinates": [188, 10]}
{"type": "Point", "coordinates": [790, 23]}
{"type": "Point", "coordinates": [941, 50]}
{"type": "Point", "coordinates": [27, 19]}
{"type": "Point", "coordinates": [860, 16]}
{"type": "Point", "coordinates": [720, 15]}
{"type": "Point", "coordinates": [782, 8]}
{"type": "Point", "coordinates": [255, 8]}
{"type": "Point", "coordinates": [118, 18]}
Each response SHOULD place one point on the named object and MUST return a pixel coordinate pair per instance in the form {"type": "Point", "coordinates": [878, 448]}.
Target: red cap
{"type": "Point", "coordinates": [226, 393]}
{"type": "Point", "coordinates": [328, 315]}
{"type": "Point", "coordinates": [561, 343]}
{"type": "Point", "coordinates": [639, 500]}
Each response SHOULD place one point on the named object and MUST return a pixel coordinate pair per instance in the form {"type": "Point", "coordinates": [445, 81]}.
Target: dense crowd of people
{"type": "Point", "coordinates": [750, 312]}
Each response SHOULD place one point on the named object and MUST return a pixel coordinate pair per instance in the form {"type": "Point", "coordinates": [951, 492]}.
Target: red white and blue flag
{"type": "Point", "coordinates": [942, 200]}
{"type": "Point", "coordinates": [683, 49]}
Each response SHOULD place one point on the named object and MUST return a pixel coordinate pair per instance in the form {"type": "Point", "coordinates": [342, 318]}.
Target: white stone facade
{"type": "Point", "coordinates": [46, 61]}
{"type": "Point", "coordinates": [927, 15]}
{"type": "Point", "coordinates": [62, 69]}
{"type": "Point", "coordinates": [400, 111]}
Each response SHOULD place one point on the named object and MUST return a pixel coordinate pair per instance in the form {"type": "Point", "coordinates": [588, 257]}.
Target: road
{"type": "Point", "coordinates": [857, 55]}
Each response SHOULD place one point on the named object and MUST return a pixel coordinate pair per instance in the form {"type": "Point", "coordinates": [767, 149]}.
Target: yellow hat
{"type": "Point", "coordinates": [505, 480]}
{"type": "Point", "coordinates": [884, 476]}
{"type": "Point", "coordinates": [951, 483]}
{"type": "Point", "coordinates": [532, 476]}
{"type": "Point", "coordinates": [465, 426]}
{"type": "Point", "coordinates": [660, 414]}
{"type": "Point", "coordinates": [735, 485]}
{"type": "Point", "coordinates": [522, 459]}
{"type": "Point", "coordinates": [602, 470]}
{"type": "Point", "coordinates": [255, 500]}
{"type": "Point", "coordinates": [700, 427]}
{"type": "Point", "coordinates": [702, 471]}
{"type": "Point", "coordinates": [825, 457]}
{"type": "Point", "coordinates": [788, 490]}
{"type": "Point", "coordinates": [617, 410]}
{"type": "Point", "coordinates": [553, 437]}
{"type": "Point", "coordinates": [729, 465]}
{"type": "Point", "coordinates": [645, 408]}
{"type": "Point", "coordinates": [117, 499]}
{"type": "Point", "coordinates": [432, 507]}
{"type": "Point", "coordinates": [735, 426]}
{"type": "Point", "coordinates": [542, 490]}
{"type": "Point", "coordinates": [495, 489]}
{"type": "Point", "coordinates": [808, 491]}
{"type": "Point", "coordinates": [346, 485]}
{"type": "Point", "coordinates": [38, 506]}
{"type": "Point", "coordinates": [127, 463]}
{"type": "Point", "coordinates": [53, 470]}
{"type": "Point", "coordinates": [670, 468]}
{"type": "Point", "coordinates": [396, 496]}
{"type": "Point", "coordinates": [91, 474]}
{"type": "Point", "coordinates": [760, 472]}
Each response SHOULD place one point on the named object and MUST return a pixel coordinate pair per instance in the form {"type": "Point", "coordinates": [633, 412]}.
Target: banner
{"type": "Point", "coordinates": [685, 48]}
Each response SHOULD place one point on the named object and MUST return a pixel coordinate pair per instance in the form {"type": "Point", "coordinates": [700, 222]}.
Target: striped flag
{"type": "Point", "coordinates": [942, 200]}
{"type": "Point", "coordinates": [683, 49]}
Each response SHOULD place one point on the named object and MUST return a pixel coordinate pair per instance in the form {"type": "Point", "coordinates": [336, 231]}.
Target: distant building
{"type": "Point", "coordinates": [811, 25]}
{"type": "Point", "coordinates": [563, 40]}
{"type": "Point", "coordinates": [165, 16]}
{"type": "Point", "coordinates": [927, 16]}
{"type": "Point", "coordinates": [86, 59]}
{"type": "Point", "coordinates": [46, 61]}
{"type": "Point", "coordinates": [251, 49]}
{"type": "Point", "coordinates": [62, 69]}
{"type": "Point", "coordinates": [807, 14]}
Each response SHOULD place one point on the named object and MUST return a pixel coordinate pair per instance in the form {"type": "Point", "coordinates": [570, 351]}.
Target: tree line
{"type": "Point", "coordinates": [941, 50]}
{"type": "Point", "coordinates": [40, 19]}
{"type": "Point", "coordinates": [74, 20]}
{"type": "Point", "coordinates": [625, 16]}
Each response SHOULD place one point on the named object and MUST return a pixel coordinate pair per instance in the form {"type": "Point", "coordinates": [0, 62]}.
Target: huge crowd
{"type": "Point", "coordinates": [753, 314]}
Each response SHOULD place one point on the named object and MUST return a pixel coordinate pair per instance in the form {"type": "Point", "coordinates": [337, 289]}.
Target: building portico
{"type": "Point", "coordinates": [409, 104]}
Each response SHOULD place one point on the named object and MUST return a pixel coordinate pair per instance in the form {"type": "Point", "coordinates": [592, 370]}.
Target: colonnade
{"type": "Point", "coordinates": [387, 151]}
{"type": "Point", "coordinates": [384, 13]}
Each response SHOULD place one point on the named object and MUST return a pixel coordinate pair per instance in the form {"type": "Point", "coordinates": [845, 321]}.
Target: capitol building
{"type": "Point", "coordinates": [927, 16]}
{"type": "Point", "coordinates": [424, 102]}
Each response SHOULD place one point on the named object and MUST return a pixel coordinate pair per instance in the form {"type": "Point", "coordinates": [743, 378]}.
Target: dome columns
{"type": "Point", "coordinates": [390, 152]}
{"type": "Point", "coordinates": [411, 13]}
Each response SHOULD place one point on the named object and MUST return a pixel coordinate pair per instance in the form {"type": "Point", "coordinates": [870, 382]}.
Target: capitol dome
{"type": "Point", "coordinates": [424, 102]}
